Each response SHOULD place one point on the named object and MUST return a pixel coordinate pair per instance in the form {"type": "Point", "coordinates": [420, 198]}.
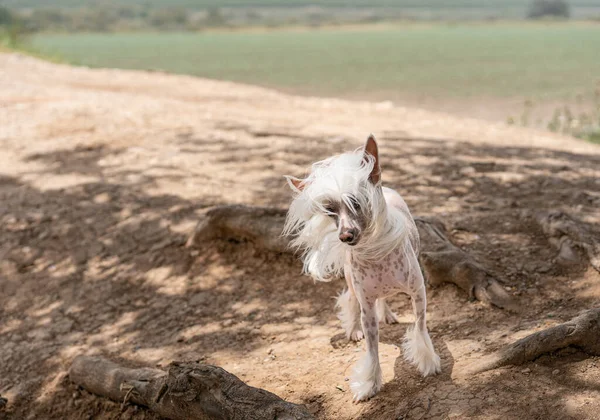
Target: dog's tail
{"type": "Point", "coordinates": [418, 348]}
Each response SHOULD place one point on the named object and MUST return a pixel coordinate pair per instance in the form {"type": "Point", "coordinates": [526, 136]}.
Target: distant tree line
{"type": "Point", "coordinates": [549, 8]}
{"type": "Point", "coordinates": [111, 18]}
{"type": "Point", "coordinates": [105, 17]}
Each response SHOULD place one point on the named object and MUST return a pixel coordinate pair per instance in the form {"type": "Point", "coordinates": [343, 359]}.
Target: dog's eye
{"type": "Point", "coordinates": [330, 208]}
{"type": "Point", "coordinates": [354, 203]}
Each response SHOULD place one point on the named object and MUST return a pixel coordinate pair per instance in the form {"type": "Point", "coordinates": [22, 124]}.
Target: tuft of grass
{"type": "Point", "coordinates": [584, 126]}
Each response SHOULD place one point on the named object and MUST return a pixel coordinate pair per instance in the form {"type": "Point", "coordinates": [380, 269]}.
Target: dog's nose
{"type": "Point", "coordinates": [348, 236]}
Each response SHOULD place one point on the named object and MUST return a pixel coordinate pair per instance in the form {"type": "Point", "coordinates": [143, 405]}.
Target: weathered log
{"type": "Point", "coordinates": [582, 332]}
{"type": "Point", "coordinates": [186, 391]}
{"type": "Point", "coordinates": [442, 261]}
{"type": "Point", "coordinates": [571, 238]}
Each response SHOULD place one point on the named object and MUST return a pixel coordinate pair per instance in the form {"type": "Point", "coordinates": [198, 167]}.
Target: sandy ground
{"type": "Point", "coordinates": [104, 174]}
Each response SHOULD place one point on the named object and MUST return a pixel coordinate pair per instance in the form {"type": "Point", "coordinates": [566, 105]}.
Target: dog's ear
{"type": "Point", "coordinates": [371, 149]}
{"type": "Point", "coordinates": [296, 184]}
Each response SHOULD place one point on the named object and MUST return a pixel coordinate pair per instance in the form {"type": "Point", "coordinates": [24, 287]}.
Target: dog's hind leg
{"type": "Point", "coordinates": [349, 309]}
{"type": "Point", "coordinates": [418, 348]}
{"type": "Point", "coordinates": [384, 313]}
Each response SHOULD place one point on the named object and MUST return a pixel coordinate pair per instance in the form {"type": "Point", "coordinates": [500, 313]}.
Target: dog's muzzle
{"type": "Point", "coordinates": [349, 237]}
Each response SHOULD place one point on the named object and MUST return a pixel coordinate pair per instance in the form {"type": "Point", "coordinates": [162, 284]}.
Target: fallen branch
{"type": "Point", "coordinates": [582, 332]}
{"type": "Point", "coordinates": [569, 237]}
{"type": "Point", "coordinates": [186, 391]}
{"type": "Point", "coordinates": [442, 261]}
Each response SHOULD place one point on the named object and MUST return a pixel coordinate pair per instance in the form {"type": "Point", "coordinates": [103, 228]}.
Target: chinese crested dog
{"type": "Point", "coordinates": [345, 221]}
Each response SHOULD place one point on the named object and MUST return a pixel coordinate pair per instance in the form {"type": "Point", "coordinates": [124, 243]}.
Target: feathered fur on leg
{"type": "Point", "coordinates": [349, 315]}
{"type": "Point", "coordinates": [366, 378]}
{"type": "Point", "coordinates": [417, 345]}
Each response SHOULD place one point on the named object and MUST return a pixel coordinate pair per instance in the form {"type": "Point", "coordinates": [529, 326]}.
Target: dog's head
{"type": "Point", "coordinates": [343, 191]}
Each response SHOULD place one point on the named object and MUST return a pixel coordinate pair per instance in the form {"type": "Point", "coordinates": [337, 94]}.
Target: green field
{"type": "Point", "coordinates": [502, 60]}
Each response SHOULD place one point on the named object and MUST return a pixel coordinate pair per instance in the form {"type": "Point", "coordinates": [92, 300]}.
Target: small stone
{"type": "Point", "coordinates": [526, 371]}
{"type": "Point", "coordinates": [340, 388]}
{"type": "Point", "coordinates": [555, 372]}
{"type": "Point", "coordinates": [102, 198]}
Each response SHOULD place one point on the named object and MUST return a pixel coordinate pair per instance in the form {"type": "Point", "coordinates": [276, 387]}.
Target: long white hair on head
{"type": "Point", "coordinates": [340, 178]}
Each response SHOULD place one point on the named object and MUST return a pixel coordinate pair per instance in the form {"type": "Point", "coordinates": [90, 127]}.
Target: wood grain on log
{"type": "Point", "coordinates": [186, 391]}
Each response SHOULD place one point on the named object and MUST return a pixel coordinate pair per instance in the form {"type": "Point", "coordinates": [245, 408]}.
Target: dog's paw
{"type": "Point", "coordinates": [356, 335]}
{"type": "Point", "coordinates": [362, 391]}
{"type": "Point", "coordinates": [366, 379]}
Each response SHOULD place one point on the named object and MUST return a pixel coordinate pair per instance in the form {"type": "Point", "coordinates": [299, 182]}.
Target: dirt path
{"type": "Point", "coordinates": [104, 173]}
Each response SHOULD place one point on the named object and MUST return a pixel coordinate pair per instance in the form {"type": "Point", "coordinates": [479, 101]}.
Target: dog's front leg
{"type": "Point", "coordinates": [366, 380]}
{"type": "Point", "coordinates": [349, 309]}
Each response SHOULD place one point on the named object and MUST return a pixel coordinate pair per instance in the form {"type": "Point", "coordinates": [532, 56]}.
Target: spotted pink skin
{"type": "Point", "coordinates": [399, 271]}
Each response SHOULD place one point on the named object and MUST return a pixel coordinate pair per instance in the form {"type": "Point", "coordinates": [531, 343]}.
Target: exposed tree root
{"type": "Point", "coordinates": [569, 237]}
{"type": "Point", "coordinates": [186, 391]}
{"type": "Point", "coordinates": [582, 332]}
{"type": "Point", "coordinates": [442, 261]}
{"type": "Point", "coordinates": [261, 225]}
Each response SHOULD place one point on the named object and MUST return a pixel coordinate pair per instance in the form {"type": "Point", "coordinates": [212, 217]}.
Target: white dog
{"type": "Point", "coordinates": [344, 221]}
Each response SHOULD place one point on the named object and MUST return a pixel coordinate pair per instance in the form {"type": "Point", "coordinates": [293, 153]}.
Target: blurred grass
{"type": "Point", "coordinates": [551, 60]}
{"type": "Point", "coordinates": [9, 44]}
